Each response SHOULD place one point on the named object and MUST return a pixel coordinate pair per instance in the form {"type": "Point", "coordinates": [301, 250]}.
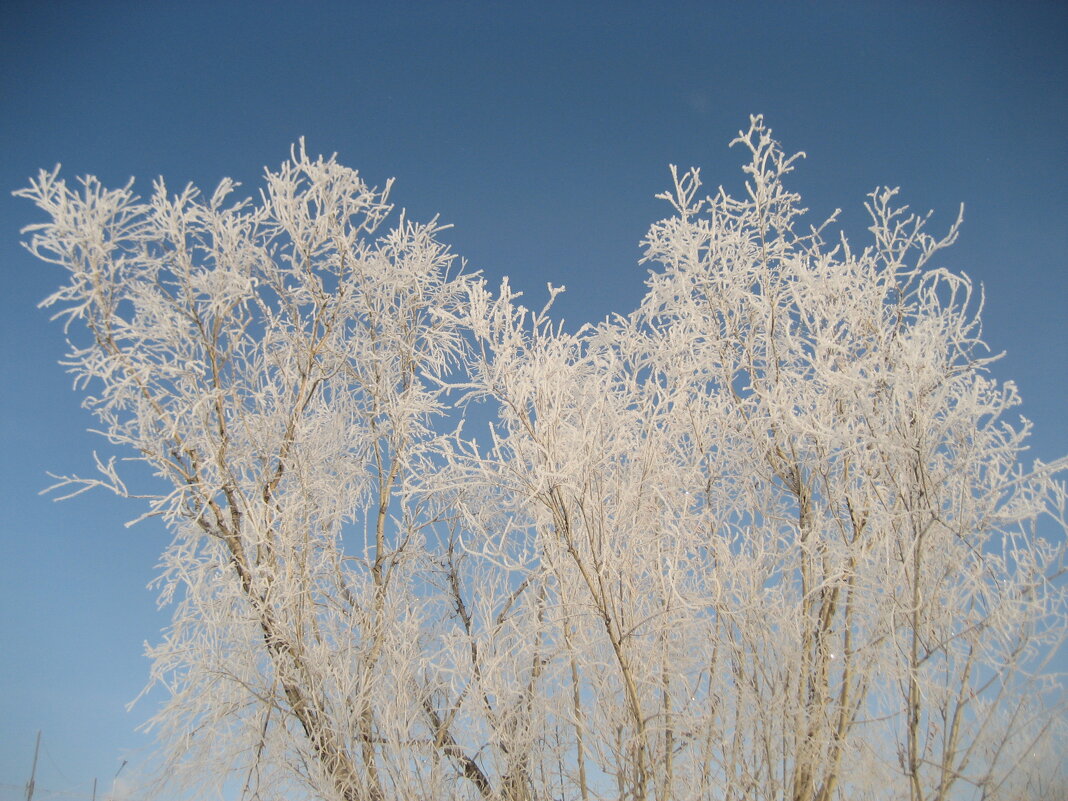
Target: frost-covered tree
{"type": "Point", "coordinates": [270, 364]}
{"type": "Point", "coordinates": [769, 536]}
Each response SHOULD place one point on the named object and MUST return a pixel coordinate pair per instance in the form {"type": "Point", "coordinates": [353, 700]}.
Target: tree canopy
{"type": "Point", "coordinates": [768, 536]}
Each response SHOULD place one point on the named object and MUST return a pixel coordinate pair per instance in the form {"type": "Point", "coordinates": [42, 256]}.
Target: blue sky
{"type": "Point", "coordinates": [541, 131]}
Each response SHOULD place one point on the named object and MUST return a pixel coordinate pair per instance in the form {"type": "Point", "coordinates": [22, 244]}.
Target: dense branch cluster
{"type": "Point", "coordinates": [769, 536]}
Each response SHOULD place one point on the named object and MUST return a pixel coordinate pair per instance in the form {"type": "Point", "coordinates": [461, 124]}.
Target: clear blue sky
{"type": "Point", "coordinates": [542, 132]}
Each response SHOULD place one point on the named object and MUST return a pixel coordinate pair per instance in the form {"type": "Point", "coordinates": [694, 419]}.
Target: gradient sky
{"type": "Point", "coordinates": [542, 131]}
